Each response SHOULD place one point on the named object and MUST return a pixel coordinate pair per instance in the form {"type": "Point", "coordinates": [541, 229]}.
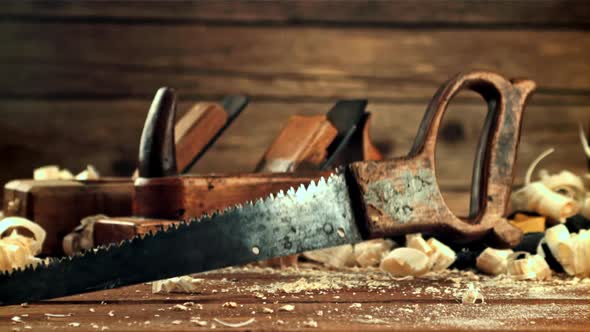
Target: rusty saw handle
{"type": "Point", "coordinates": [402, 195]}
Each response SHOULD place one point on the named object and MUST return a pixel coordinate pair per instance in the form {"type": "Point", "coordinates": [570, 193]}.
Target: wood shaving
{"type": "Point", "coordinates": [74, 324]}
{"type": "Point", "coordinates": [310, 323]}
{"type": "Point", "coordinates": [337, 257]}
{"type": "Point", "coordinates": [82, 237]}
{"type": "Point", "coordinates": [183, 284]}
{"type": "Point", "coordinates": [405, 261]}
{"type": "Point", "coordinates": [198, 321]}
{"type": "Point", "coordinates": [287, 307]}
{"type": "Point", "coordinates": [90, 173]}
{"type": "Point", "coordinates": [235, 325]}
{"type": "Point", "coordinates": [16, 250]}
{"type": "Point", "coordinates": [471, 295]}
{"type": "Point", "coordinates": [533, 267]}
{"type": "Point", "coordinates": [267, 310]}
{"type": "Point", "coordinates": [48, 315]}
{"type": "Point", "coordinates": [370, 253]}
{"type": "Point", "coordinates": [111, 313]}
{"type": "Point", "coordinates": [176, 322]}
{"type": "Point", "coordinates": [572, 251]}
{"type": "Point", "coordinates": [17, 319]}
{"type": "Point", "coordinates": [230, 305]}
{"type": "Point", "coordinates": [493, 261]}
{"type": "Point", "coordinates": [557, 196]}
{"type": "Point", "coordinates": [180, 307]}
{"type": "Point", "coordinates": [52, 172]}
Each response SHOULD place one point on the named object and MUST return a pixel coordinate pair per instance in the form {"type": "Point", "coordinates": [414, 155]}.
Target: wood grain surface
{"type": "Point", "coordinates": [78, 77]}
{"type": "Point", "coordinates": [349, 300]}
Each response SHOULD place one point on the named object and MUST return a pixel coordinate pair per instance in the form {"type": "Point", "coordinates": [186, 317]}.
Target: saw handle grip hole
{"type": "Point", "coordinates": [456, 148]}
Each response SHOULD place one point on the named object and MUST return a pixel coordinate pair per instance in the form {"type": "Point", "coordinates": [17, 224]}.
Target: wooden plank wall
{"type": "Point", "coordinates": [77, 77]}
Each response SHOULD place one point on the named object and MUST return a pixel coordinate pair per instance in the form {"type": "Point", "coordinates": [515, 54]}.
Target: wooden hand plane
{"type": "Point", "coordinates": [59, 205]}
{"type": "Point", "coordinates": [304, 143]}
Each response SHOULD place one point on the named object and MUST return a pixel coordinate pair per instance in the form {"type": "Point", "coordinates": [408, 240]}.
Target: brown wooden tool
{"type": "Point", "coordinates": [59, 205]}
{"type": "Point", "coordinates": [304, 143]}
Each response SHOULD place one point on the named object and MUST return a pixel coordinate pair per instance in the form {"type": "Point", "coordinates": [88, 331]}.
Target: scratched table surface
{"type": "Point", "coordinates": [321, 299]}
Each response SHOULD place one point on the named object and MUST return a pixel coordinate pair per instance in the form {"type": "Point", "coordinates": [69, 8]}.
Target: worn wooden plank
{"type": "Point", "coordinates": [354, 59]}
{"type": "Point", "coordinates": [523, 13]}
{"type": "Point", "coordinates": [335, 300]}
{"type": "Point", "coordinates": [104, 81]}
{"type": "Point", "coordinates": [33, 133]}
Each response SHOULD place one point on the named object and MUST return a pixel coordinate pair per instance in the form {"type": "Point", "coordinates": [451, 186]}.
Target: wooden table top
{"type": "Point", "coordinates": [352, 299]}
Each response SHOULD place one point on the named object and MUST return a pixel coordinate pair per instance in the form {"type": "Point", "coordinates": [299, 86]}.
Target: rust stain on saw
{"type": "Point", "coordinates": [398, 197]}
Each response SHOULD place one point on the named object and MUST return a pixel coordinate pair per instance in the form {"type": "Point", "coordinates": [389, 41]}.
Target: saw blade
{"type": "Point", "coordinates": [313, 217]}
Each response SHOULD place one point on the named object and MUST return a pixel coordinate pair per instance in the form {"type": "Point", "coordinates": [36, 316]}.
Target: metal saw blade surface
{"type": "Point", "coordinates": [318, 216]}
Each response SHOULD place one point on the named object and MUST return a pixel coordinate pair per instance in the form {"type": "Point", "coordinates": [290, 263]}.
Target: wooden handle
{"type": "Point", "coordinates": [498, 143]}
{"type": "Point", "coordinates": [195, 129]}
{"type": "Point", "coordinates": [301, 144]}
{"type": "Point", "coordinates": [157, 154]}
{"type": "Point", "coordinates": [401, 196]}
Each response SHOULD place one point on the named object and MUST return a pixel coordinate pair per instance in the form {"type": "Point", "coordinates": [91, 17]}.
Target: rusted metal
{"type": "Point", "coordinates": [401, 195]}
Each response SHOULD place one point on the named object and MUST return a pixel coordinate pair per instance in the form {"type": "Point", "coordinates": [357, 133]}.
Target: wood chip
{"type": "Point", "coordinates": [471, 295]}
{"type": "Point", "coordinates": [287, 307]}
{"type": "Point", "coordinates": [74, 324]}
{"type": "Point", "coordinates": [267, 310]}
{"type": "Point", "coordinates": [236, 325]}
{"type": "Point", "coordinates": [176, 322]}
{"type": "Point", "coordinates": [111, 313]}
{"type": "Point", "coordinates": [48, 315]}
{"type": "Point", "coordinates": [180, 307]}
{"type": "Point", "coordinates": [230, 305]}
{"type": "Point", "coordinates": [183, 284]}
{"type": "Point", "coordinates": [310, 323]}
{"type": "Point", "coordinates": [198, 321]}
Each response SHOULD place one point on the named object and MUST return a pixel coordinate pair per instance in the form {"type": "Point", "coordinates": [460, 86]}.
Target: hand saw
{"type": "Point", "coordinates": [308, 142]}
{"type": "Point", "coordinates": [59, 205]}
{"type": "Point", "coordinates": [367, 199]}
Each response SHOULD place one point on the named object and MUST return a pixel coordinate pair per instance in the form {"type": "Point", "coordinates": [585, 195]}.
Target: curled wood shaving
{"type": "Point", "coordinates": [493, 261]}
{"type": "Point", "coordinates": [370, 253]}
{"type": "Point", "coordinates": [533, 165]}
{"type": "Point", "coordinates": [572, 251]}
{"type": "Point", "coordinates": [16, 250]}
{"type": "Point", "coordinates": [82, 238]}
{"type": "Point", "coordinates": [337, 257]}
{"type": "Point", "coordinates": [235, 325]}
{"type": "Point", "coordinates": [536, 197]}
{"type": "Point", "coordinates": [405, 261]}
{"type": "Point", "coordinates": [418, 257]}
{"type": "Point", "coordinates": [522, 265]}
{"type": "Point", "coordinates": [183, 284]}
{"type": "Point", "coordinates": [556, 196]}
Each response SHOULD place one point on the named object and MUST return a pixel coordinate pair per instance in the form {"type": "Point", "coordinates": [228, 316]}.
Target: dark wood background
{"type": "Point", "coordinates": [77, 78]}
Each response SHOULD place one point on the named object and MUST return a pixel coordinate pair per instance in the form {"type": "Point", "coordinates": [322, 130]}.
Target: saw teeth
{"type": "Point", "coordinates": [196, 222]}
